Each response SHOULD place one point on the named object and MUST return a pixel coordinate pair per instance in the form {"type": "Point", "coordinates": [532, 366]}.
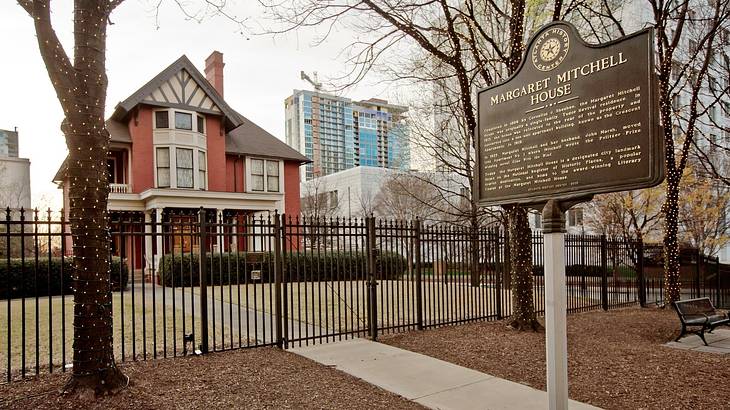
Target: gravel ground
{"type": "Point", "coordinates": [262, 378]}
{"type": "Point", "coordinates": [615, 360]}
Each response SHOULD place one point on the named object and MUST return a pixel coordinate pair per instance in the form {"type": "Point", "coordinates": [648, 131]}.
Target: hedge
{"type": "Point", "coordinates": [21, 277]}
{"type": "Point", "coordinates": [233, 268]}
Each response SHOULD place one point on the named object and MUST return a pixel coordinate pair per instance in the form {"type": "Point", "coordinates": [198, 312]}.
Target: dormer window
{"type": "Point", "coordinates": [162, 119]}
{"type": "Point", "coordinates": [183, 121]}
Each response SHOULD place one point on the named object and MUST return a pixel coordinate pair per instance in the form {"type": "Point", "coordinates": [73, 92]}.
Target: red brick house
{"type": "Point", "coordinates": [176, 145]}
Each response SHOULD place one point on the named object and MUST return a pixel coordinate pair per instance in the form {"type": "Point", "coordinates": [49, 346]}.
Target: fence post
{"type": "Point", "coordinates": [277, 280]}
{"type": "Point", "coordinates": [202, 271]}
{"type": "Point", "coordinates": [604, 270]}
{"type": "Point", "coordinates": [640, 269]}
{"type": "Point", "coordinates": [698, 267]}
{"type": "Point", "coordinates": [717, 283]}
{"type": "Point", "coordinates": [372, 283]}
{"type": "Point", "coordinates": [285, 278]}
{"type": "Point", "coordinates": [498, 273]}
{"type": "Point", "coordinates": [419, 285]}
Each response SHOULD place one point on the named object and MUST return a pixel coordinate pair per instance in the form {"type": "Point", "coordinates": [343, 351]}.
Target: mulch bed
{"type": "Point", "coordinates": [262, 378]}
{"type": "Point", "coordinates": [615, 360]}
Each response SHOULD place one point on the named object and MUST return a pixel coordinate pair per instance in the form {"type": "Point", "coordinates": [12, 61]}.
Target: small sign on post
{"type": "Point", "coordinates": [574, 120]}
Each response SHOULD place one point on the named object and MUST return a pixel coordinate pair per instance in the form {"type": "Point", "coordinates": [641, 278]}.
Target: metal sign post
{"type": "Point", "coordinates": [556, 338]}
{"type": "Point", "coordinates": [573, 120]}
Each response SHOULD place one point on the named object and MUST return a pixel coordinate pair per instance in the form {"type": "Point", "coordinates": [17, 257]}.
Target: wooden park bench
{"type": "Point", "coordinates": [699, 313]}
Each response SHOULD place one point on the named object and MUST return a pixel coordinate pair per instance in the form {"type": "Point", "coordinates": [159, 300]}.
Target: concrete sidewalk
{"type": "Point", "coordinates": [425, 380]}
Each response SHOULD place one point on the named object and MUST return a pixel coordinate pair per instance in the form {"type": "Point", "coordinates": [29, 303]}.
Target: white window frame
{"type": "Point", "coordinates": [169, 167]}
{"type": "Point", "coordinates": [249, 175]}
{"type": "Point", "coordinates": [172, 149]}
{"type": "Point", "coordinates": [201, 184]}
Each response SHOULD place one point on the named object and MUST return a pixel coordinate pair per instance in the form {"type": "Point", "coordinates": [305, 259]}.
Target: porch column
{"type": "Point", "coordinates": [148, 244]}
{"type": "Point", "coordinates": [234, 233]}
{"type": "Point", "coordinates": [219, 229]}
{"type": "Point", "coordinates": [158, 238]}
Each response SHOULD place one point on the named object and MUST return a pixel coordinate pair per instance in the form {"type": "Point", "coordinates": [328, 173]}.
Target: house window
{"type": "Point", "coordinates": [163, 167]}
{"type": "Point", "coordinates": [184, 167]}
{"type": "Point", "coordinates": [202, 168]}
{"type": "Point", "coordinates": [201, 124]}
{"type": "Point", "coordinates": [257, 174]}
{"type": "Point", "coordinates": [575, 217]}
{"type": "Point", "coordinates": [272, 176]}
{"type": "Point", "coordinates": [183, 120]}
{"type": "Point", "coordinates": [162, 119]}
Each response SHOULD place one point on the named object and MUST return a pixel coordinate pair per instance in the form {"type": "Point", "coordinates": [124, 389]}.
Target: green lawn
{"type": "Point", "coordinates": [145, 329]}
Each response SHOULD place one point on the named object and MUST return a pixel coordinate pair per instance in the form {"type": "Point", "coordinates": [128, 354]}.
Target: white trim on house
{"type": "Point", "coordinates": [248, 179]}
{"type": "Point", "coordinates": [185, 198]}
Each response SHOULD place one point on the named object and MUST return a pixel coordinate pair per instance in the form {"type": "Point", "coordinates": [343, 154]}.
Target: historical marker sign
{"type": "Point", "coordinates": [574, 120]}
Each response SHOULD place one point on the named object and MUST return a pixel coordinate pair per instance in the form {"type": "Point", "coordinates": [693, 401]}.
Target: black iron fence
{"type": "Point", "coordinates": [200, 281]}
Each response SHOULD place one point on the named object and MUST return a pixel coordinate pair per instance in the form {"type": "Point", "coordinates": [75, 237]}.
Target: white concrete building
{"type": "Point", "coordinates": [14, 173]}
{"type": "Point", "coordinates": [359, 192]}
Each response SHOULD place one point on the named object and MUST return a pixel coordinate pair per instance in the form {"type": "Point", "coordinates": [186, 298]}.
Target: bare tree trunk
{"type": "Point", "coordinates": [520, 238]}
{"type": "Point", "coordinates": [88, 144]}
{"type": "Point", "coordinates": [81, 91]}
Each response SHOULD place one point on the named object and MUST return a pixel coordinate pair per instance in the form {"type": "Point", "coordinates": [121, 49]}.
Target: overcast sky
{"type": "Point", "coordinates": [260, 72]}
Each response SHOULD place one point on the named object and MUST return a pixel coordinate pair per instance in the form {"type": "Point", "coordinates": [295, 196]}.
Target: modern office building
{"type": "Point", "coordinates": [337, 133]}
{"type": "Point", "coordinates": [14, 173]}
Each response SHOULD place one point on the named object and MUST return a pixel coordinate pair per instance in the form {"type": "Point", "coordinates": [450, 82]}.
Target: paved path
{"type": "Point", "coordinates": [431, 382]}
{"type": "Point", "coordinates": [718, 342]}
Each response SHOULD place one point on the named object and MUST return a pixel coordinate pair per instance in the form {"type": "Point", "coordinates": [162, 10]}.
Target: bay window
{"type": "Point", "coordinates": [201, 124]}
{"type": "Point", "coordinates": [163, 167]}
{"type": "Point", "coordinates": [184, 167]}
{"type": "Point", "coordinates": [202, 168]}
{"type": "Point", "coordinates": [162, 119]}
{"type": "Point", "coordinates": [183, 121]}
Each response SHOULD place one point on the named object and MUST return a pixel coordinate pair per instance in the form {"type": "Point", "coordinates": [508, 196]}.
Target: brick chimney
{"type": "Point", "coordinates": [214, 70]}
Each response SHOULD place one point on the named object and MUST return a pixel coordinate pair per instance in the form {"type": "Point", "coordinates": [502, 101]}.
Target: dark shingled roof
{"type": "Point", "coordinates": [250, 139]}
{"type": "Point", "coordinates": [118, 131]}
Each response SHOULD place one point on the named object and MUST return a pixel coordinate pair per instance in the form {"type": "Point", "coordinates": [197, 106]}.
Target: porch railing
{"type": "Point", "coordinates": [119, 189]}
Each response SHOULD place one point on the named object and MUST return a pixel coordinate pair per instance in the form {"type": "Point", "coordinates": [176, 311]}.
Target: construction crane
{"type": "Point", "coordinates": [311, 80]}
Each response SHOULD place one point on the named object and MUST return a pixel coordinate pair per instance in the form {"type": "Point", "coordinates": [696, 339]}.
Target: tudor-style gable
{"type": "Point", "coordinates": [181, 86]}
{"type": "Point", "coordinates": [182, 91]}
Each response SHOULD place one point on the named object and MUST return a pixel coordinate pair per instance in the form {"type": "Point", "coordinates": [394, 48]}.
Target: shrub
{"type": "Point", "coordinates": [20, 278]}
{"type": "Point", "coordinates": [236, 267]}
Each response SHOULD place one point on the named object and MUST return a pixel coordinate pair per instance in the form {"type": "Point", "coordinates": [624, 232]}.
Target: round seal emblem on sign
{"type": "Point", "coordinates": [550, 49]}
